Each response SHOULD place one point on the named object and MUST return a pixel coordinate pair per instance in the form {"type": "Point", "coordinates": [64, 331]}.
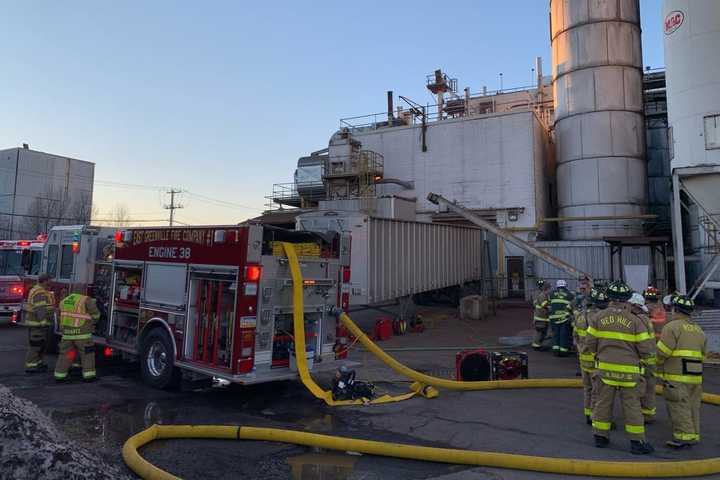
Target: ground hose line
{"type": "Point", "coordinates": [444, 455]}
{"type": "Point", "coordinates": [564, 466]}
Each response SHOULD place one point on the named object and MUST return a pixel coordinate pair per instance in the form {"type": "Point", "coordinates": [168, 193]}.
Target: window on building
{"type": "Point", "coordinates": [52, 261]}
{"type": "Point", "coordinates": [671, 142]}
{"type": "Point", "coordinates": [66, 262]}
{"type": "Point", "coordinates": [712, 132]}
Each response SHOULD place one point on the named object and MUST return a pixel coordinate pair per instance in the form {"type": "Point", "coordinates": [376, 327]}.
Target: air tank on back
{"type": "Point", "coordinates": [599, 126]}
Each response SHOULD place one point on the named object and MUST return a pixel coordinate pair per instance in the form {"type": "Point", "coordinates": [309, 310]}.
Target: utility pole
{"type": "Point", "coordinates": [173, 205]}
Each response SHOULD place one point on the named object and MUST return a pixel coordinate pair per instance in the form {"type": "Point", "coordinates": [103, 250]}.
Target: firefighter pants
{"type": "Point", "coordinates": [589, 391]}
{"type": "Point", "coordinates": [68, 350]}
{"type": "Point", "coordinates": [683, 405]}
{"type": "Point", "coordinates": [648, 401]}
{"type": "Point", "coordinates": [630, 400]}
{"type": "Point", "coordinates": [37, 338]}
{"type": "Point", "coordinates": [541, 333]}
{"type": "Point", "coordinates": [562, 337]}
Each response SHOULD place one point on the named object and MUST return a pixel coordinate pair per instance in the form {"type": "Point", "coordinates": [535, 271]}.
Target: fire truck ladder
{"type": "Point", "coordinates": [509, 237]}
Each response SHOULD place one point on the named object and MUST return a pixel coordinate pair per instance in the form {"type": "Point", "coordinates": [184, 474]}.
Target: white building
{"type": "Point", "coordinates": [39, 190]}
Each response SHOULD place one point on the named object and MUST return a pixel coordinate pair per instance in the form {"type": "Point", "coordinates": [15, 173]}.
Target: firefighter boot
{"type": "Point", "coordinates": [601, 442]}
{"type": "Point", "coordinates": [678, 444]}
{"type": "Point", "coordinates": [40, 367]}
{"type": "Point", "coordinates": [640, 448]}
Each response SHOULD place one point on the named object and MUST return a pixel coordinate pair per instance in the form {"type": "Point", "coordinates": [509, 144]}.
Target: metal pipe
{"type": "Point", "coordinates": [507, 236]}
{"type": "Point", "coordinates": [390, 107]}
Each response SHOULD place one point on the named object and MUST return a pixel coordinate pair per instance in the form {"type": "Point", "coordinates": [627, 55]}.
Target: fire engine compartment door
{"type": "Point", "coordinates": [164, 284]}
{"type": "Point", "coordinates": [211, 318]}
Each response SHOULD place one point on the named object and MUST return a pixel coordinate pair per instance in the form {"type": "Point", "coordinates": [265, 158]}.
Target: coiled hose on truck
{"type": "Point", "coordinates": [567, 466]}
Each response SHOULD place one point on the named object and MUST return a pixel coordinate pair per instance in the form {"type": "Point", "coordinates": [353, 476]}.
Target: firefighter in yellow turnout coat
{"type": "Point", "coordinates": [37, 316]}
{"type": "Point", "coordinates": [78, 315]}
{"type": "Point", "coordinates": [541, 322]}
{"type": "Point", "coordinates": [681, 351]}
{"type": "Point", "coordinates": [597, 300]}
{"type": "Point", "coordinates": [621, 343]}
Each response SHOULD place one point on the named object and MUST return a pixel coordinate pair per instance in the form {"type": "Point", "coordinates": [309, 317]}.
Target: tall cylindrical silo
{"type": "Point", "coordinates": [599, 127]}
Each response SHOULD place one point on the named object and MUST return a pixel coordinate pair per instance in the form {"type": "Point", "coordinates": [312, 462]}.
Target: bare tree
{"type": "Point", "coordinates": [120, 215]}
{"type": "Point", "coordinates": [55, 208]}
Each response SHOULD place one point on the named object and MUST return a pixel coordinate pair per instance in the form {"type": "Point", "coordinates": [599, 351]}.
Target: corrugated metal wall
{"type": "Point", "coordinates": [411, 257]}
{"type": "Point", "coordinates": [594, 257]}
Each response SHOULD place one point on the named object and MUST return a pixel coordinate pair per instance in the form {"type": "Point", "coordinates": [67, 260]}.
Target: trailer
{"type": "Point", "coordinates": [396, 259]}
{"type": "Point", "coordinates": [210, 301]}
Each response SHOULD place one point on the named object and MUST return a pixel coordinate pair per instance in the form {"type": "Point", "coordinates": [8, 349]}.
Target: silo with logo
{"type": "Point", "coordinates": [599, 127]}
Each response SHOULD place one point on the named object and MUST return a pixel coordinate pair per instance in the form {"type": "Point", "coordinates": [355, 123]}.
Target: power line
{"type": "Point", "coordinates": [173, 206]}
{"type": "Point", "coordinates": [222, 203]}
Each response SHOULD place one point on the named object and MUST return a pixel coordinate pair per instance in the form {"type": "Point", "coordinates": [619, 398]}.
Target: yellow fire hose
{"type": "Point", "coordinates": [565, 466]}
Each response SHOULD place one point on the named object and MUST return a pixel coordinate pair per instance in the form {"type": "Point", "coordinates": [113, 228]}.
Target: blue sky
{"type": "Point", "coordinates": [221, 98]}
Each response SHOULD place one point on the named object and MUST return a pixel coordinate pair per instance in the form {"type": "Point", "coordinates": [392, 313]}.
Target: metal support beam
{"type": "Point", "coordinates": [677, 232]}
{"type": "Point", "coordinates": [705, 276]}
{"type": "Point", "coordinates": [507, 236]}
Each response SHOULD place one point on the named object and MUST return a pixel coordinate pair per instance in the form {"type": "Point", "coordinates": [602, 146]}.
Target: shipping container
{"type": "Point", "coordinates": [391, 259]}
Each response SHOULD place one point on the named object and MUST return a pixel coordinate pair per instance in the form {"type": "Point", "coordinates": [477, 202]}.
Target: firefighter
{"type": "Point", "coordinates": [561, 302]}
{"type": "Point", "coordinates": [681, 351]}
{"type": "Point", "coordinates": [78, 316]}
{"type": "Point", "coordinates": [37, 316]}
{"type": "Point", "coordinates": [587, 359]}
{"type": "Point", "coordinates": [620, 342]}
{"type": "Point", "coordinates": [658, 316]}
{"type": "Point", "coordinates": [540, 314]}
{"type": "Point", "coordinates": [648, 400]}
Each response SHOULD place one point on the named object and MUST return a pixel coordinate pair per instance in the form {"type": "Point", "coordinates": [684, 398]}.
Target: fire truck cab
{"type": "Point", "coordinates": [19, 261]}
{"type": "Point", "coordinates": [211, 301]}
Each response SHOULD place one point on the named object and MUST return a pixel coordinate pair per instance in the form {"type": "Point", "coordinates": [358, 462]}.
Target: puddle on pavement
{"type": "Point", "coordinates": [321, 466]}
{"type": "Point", "coordinates": [107, 427]}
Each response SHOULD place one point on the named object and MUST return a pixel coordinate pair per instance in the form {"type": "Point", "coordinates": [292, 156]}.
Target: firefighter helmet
{"type": "Point", "coordinates": [601, 299]}
{"type": "Point", "coordinates": [619, 291]}
{"type": "Point", "coordinates": [683, 304]}
{"type": "Point", "coordinates": [639, 301]}
{"type": "Point", "coordinates": [592, 296]}
{"type": "Point", "coordinates": [540, 282]}
{"type": "Point", "coordinates": [651, 294]}
{"type": "Point", "coordinates": [561, 284]}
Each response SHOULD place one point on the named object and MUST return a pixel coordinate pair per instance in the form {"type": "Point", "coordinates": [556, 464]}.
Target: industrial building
{"type": "Point", "coordinates": [585, 163]}
{"type": "Point", "coordinates": [39, 190]}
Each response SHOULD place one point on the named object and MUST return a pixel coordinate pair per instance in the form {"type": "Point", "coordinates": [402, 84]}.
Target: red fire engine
{"type": "Point", "coordinates": [19, 262]}
{"type": "Point", "coordinates": [211, 301]}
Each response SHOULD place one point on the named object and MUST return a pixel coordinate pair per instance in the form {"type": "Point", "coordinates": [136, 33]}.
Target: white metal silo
{"type": "Point", "coordinates": [599, 128]}
{"type": "Point", "coordinates": [692, 59]}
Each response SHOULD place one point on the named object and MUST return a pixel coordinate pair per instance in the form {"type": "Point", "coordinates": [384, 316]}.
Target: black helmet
{"type": "Point", "coordinates": [684, 304]}
{"type": "Point", "coordinates": [619, 291]}
{"type": "Point", "coordinates": [540, 282]}
{"type": "Point", "coordinates": [601, 299]}
{"type": "Point", "coordinates": [592, 296]}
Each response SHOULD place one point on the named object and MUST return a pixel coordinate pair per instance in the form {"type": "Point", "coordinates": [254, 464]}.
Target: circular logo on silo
{"type": "Point", "coordinates": [673, 20]}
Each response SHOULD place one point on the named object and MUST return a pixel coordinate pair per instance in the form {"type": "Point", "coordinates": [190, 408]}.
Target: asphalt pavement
{"type": "Point", "coordinates": [102, 415]}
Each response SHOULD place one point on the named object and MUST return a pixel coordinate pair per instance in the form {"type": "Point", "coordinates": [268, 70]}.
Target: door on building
{"type": "Point", "coordinates": [515, 268]}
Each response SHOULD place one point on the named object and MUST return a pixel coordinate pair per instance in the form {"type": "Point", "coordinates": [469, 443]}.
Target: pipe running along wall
{"type": "Point", "coordinates": [565, 466]}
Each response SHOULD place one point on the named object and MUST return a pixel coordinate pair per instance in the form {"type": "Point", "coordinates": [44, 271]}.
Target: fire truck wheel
{"type": "Point", "coordinates": [157, 361]}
